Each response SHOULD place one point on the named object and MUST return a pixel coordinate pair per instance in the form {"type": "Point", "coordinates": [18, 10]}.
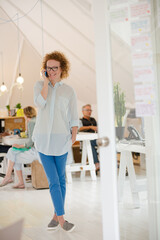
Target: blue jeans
{"type": "Point", "coordinates": [54, 167]}
{"type": "Point", "coordinates": [94, 151]}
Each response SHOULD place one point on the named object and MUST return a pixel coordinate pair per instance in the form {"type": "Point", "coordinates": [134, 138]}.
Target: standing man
{"type": "Point", "coordinates": [89, 124]}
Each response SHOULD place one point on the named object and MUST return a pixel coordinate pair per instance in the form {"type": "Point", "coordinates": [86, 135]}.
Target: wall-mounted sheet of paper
{"type": "Point", "coordinates": [145, 109]}
{"type": "Point", "coordinates": [141, 59]}
{"type": "Point", "coordinates": [119, 15]}
{"type": "Point", "coordinates": [140, 26]}
{"type": "Point", "coordinates": [140, 9]}
{"type": "Point", "coordinates": [144, 93]}
{"type": "Point", "coordinates": [142, 42]}
{"type": "Point", "coordinates": [143, 74]}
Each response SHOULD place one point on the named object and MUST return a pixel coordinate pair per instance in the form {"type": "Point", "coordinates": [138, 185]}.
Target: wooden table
{"type": "Point", "coordinates": [12, 139]}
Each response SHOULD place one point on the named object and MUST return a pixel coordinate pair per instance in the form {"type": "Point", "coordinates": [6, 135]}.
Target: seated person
{"type": "Point", "coordinates": [22, 154]}
{"type": "Point", "coordinates": [89, 124]}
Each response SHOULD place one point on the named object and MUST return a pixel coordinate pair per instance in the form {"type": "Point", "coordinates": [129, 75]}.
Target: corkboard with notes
{"type": "Point", "coordinates": [12, 123]}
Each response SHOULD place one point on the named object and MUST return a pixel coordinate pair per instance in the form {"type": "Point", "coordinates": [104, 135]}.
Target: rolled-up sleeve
{"type": "Point", "coordinates": [38, 99]}
{"type": "Point", "coordinates": [74, 120]}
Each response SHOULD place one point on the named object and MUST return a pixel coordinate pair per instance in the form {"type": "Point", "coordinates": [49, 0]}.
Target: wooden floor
{"type": "Point", "coordinates": [83, 207]}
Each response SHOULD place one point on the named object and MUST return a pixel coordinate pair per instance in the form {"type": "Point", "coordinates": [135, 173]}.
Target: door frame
{"type": "Point", "coordinates": [106, 127]}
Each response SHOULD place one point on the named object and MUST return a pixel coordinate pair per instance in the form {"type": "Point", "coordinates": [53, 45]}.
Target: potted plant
{"type": "Point", "coordinates": [9, 110]}
{"type": "Point", "coordinates": [18, 106]}
{"type": "Point", "coordinates": [19, 110]}
{"type": "Point", "coordinates": [120, 109]}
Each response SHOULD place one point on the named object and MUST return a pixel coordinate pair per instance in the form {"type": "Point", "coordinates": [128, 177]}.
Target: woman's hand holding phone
{"type": "Point", "coordinates": [45, 76]}
{"type": "Point", "coordinates": [44, 91]}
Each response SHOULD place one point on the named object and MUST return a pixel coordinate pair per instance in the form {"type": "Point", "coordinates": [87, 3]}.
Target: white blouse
{"type": "Point", "coordinates": [56, 116]}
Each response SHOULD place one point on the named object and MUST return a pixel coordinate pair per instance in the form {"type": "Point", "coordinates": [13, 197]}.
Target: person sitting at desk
{"type": "Point", "coordinates": [89, 124]}
{"type": "Point", "coordinates": [21, 154]}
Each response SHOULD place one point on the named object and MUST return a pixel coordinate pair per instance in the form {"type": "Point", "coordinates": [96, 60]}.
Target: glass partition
{"type": "Point", "coordinates": [134, 27]}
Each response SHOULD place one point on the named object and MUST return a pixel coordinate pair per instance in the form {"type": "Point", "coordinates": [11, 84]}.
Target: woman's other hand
{"type": "Point", "coordinates": [74, 133]}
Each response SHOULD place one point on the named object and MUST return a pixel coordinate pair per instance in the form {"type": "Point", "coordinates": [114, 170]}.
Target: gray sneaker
{"type": "Point", "coordinates": [68, 227]}
{"type": "Point", "coordinates": [53, 225]}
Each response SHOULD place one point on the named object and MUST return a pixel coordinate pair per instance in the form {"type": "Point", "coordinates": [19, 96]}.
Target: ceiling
{"type": "Point", "coordinates": [48, 25]}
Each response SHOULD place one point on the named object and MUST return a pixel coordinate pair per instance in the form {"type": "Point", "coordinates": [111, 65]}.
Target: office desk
{"type": "Point", "coordinates": [86, 152]}
{"type": "Point", "coordinates": [126, 161]}
{"type": "Point", "coordinates": [12, 139]}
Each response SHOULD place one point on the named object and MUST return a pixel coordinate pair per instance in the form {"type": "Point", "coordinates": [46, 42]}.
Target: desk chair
{"type": "Point", "coordinates": [3, 164]}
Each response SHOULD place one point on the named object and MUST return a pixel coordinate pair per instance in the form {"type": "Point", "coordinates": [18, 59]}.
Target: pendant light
{"type": "Point", "coordinates": [19, 79]}
{"type": "Point", "coordinates": [3, 87]}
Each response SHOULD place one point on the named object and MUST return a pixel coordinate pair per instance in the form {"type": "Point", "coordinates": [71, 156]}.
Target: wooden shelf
{"type": "Point", "coordinates": [12, 123]}
{"type": "Point", "coordinates": [9, 117]}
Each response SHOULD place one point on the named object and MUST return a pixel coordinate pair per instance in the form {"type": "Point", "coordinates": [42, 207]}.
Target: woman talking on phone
{"type": "Point", "coordinates": [55, 130]}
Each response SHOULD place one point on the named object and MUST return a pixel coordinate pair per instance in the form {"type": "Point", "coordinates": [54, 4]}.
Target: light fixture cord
{"type": "Point", "coordinates": [2, 66]}
{"type": "Point", "coordinates": [12, 18]}
{"type": "Point", "coordinates": [19, 65]}
{"type": "Point", "coordinates": [42, 28]}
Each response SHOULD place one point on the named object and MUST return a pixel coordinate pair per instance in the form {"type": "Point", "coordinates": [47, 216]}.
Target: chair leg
{"type": "Point", "coordinates": [26, 171]}
{"type": "Point", "coordinates": [4, 165]}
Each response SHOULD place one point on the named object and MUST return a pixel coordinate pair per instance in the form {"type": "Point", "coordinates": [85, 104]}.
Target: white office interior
{"type": "Point", "coordinates": [99, 38]}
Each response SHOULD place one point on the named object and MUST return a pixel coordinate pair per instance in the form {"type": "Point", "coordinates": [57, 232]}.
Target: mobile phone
{"type": "Point", "coordinates": [46, 74]}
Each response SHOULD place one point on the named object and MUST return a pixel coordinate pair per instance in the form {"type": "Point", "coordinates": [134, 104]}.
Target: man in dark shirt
{"type": "Point", "coordinates": [89, 124]}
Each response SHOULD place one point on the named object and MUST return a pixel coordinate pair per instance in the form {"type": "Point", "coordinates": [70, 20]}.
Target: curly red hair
{"type": "Point", "coordinates": [60, 57]}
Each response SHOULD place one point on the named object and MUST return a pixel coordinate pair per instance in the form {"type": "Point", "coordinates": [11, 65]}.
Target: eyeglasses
{"type": "Point", "coordinates": [87, 110]}
{"type": "Point", "coordinates": [54, 69]}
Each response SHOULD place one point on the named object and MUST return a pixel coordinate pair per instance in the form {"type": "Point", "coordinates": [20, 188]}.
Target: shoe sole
{"type": "Point", "coordinates": [53, 228]}
{"type": "Point", "coordinates": [69, 231]}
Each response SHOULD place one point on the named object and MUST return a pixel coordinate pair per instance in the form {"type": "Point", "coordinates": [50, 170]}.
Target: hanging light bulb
{"type": "Point", "coordinates": [3, 87]}
{"type": "Point", "coordinates": [20, 79]}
